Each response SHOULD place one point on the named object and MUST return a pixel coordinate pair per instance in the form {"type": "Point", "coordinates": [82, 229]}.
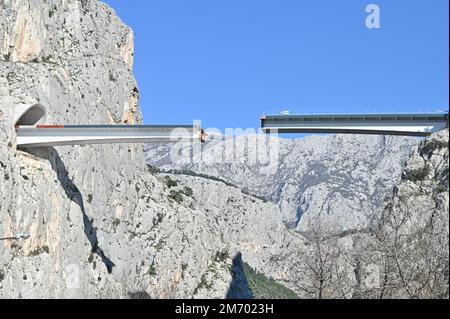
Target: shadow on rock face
{"type": "Point", "coordinates": [74, 194]}
{"type": "Point", "coordinates": [139, 295]}
{"type": "Point", "coordinates": [239, 287]}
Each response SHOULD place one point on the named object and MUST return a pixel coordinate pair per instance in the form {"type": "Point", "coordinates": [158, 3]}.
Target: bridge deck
{"type": "Point", "coordinates": [58, 135]}
{"type": "Point", "coordinates": [384, 124]}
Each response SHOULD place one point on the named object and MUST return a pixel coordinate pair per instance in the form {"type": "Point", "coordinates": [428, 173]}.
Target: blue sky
{"type": "Point", "coordinates": [226, 62]}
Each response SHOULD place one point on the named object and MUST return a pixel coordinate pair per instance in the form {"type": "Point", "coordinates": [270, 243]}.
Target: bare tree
{"type": "Point", "coordinates": [412, 251]}
{"type": "Point", "coordinates": [322, 270]}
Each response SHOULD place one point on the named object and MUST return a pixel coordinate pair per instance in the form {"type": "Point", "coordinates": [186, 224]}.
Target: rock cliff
{"type": "Point", "coordinates": [403, 253]}
{"type": "Point", "coordinates": [101, 225]}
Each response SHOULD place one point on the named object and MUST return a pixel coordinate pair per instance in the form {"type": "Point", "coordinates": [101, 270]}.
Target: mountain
{"type": "Point", "coordinates": [336, 181]}
{"type": "Point", "coordinates": [249, 217]}
{"type": "Point", "coordinates": [401, 249]}
{"type": "Point", "coordinates": [101, 225]}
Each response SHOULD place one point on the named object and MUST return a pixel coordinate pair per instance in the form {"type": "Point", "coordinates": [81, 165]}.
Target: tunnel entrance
{"type": "Point", "coordinates": [29, 114]}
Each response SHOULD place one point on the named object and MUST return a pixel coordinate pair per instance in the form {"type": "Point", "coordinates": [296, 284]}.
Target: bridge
{"type": "Point", "coordinates": [417, 124]}
{"type": "Point", "coordinates": [32, 133]}
{"type": "Point", "coordinates": [59, 135]}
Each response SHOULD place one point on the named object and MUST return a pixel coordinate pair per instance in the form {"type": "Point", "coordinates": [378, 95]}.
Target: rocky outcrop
{"type": "Point", "coordinates": [32, 30]}
{"type": "Point", "coordinates": [410, 239]}
{"type": "Point", "coordinates": [404, 253]}
{"type": "Point", "coordinates": [28, 35]}
{"type": "Point", "coordinates": [101, 225]}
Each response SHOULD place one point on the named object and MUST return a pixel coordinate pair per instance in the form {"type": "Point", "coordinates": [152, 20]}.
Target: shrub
{"type": "Point", "coordinates": [46, 249]}
{"type": "Point", "coordinates": [430, 146]}
{"type": "Point", "coordinates": [246, 191]}
{"type": "Point", "coordinates": [419, 174]}
{"type": "Point", "coordinates": [151, 270]}
{"type": "Point", "coordinates": [188, 191]}
{"type": "Point", "coordinates": [49, 60]}
{"type": "Point", "coordinates": [157, 220]}
{"type": "Point", "coordinates": [222, 255]}
{"type": "Point", "coordinates": [152, 169]}
{"type": "Point", "coordinates": [39, 251]}
{"type": "Point", "coordinates": [440, 188]}
{"type": "Point", "coordinates": [213, 178]}
{"type": "Point", "coordinates": [263, 287]}
{"type": "Point", "coordinates": [36, 252]}
{"type": "Point", "coordinates": [170, 182]}
{"type": "Point", "coordinates": [192, 173]}
{"type": "Point", "coordinates": [347, 232]}
{"type": "Point", "coordinates": [183, 270]}
{"type": "Point", "coordinates": [116, 222]}
{"type": "Point", "coordinates": [160, 245]}
{"type": "Point", "coordinates": [176, 196]}
{"type": "Point", "coordinates": [202, 284]}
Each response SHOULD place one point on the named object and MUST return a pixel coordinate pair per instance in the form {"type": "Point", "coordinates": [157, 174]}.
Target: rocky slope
{"type": "Point", "coordinates": [336, 181]}
{"type": "Point", "coordinates": [410, 239]}
{"type": "Point", "coordinates": [101, 225]}
{"type": "Point", "coordinates": [404, 253]}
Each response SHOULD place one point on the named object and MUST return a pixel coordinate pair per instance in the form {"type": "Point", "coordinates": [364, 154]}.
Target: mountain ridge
{"type": "Point", "coordinates": [371, 164]}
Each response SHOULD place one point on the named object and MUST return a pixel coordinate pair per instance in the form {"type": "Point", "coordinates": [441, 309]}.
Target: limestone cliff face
{"type": "Point", "coordinates": [101, 225]}
{"type": "Point", "coordinates": [404, 252]}
{"type": "Point", "coordinates": [411, 236]}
